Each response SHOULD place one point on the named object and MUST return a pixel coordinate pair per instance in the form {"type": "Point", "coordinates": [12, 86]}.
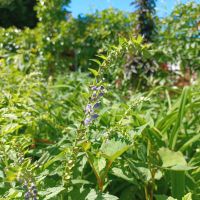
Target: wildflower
{"type": "Point", "coordinates": [35, 191]}
{"type": "Point", "coordinates": [101, 94]}
{"type": "Point", "coordinates": [92, 99]}
{"type": "Point", "coordinates": [88, 109]}
{"type": "Point", "coordinates": [94, 95]}
{"type": "Point", "coordinates": [94, 88]}
{"type": "Point", "coordinates": [98, 91]}
{"type": "Point", "coordinates": [31, 191]}
{"type": "Point", "coordinates": [96, 105]}
{"type": "Point", "coordinates": [87, 121]}
{"type": "Point", "coordinates": [94, 116]}
{"type": "Point", "coordinates": [33, 188]}
{"type": "Point", "coordinates": [27, 195]}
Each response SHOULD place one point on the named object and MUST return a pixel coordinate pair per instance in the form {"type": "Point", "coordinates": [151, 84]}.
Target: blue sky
{"type": "Point", "coordinates": [164, 7]}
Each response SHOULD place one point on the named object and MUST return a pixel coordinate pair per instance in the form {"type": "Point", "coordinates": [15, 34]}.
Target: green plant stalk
{"type": "Point", "coordinates": [153, 172]}
{"type": "Point", "coordinates": [106, 171]}
{"type": "Point", "coordinates": [99, 181]}
{"type": "Point", "coordinates": [146, 193]}
{"type": "Point", "coordinates": [177, 184]}
{"type": "Point", "coordinates": [149, 190]}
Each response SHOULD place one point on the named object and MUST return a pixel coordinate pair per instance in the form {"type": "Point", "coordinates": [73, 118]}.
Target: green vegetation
{"type": "Point", "coordinates": [89, 109]}
{"type": "Point", "coordinates": [19, 13]}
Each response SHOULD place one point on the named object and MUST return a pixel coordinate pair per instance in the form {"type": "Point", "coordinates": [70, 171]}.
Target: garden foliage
{"type": "Point", "coordinates": [78, 126]}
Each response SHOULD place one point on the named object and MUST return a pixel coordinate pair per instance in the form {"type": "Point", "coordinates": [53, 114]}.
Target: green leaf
{"type": "Point", "coordinates": [51, 192]}
{"type": "Point", "coordinates": [58, 157]}
{"type": "Point", "coordinates": [97, 163]}
{"type": "Point", "coordinates": [86, 145]}
{"type": "Point", "coordinates": [121, 174]}
{"type": "Point", "coordinates": [161, 197]}
{"type": "Point", "coordinates": [89, 194]}
{"type": "Point", "coordinates": [14, 194]}
{"type": "Point", "coordinates": [139, 39]}
{"type": "Point", "coordinates": [171, 198]}
{"type": "Point", "coordinates": [190, 142]}
{"type": "Point", "coordinates": [93, 195]}
{"type": "Point", "coordinates": [182, 108]}
{"type": "Point", "coordinates": [12, 173]}
{"type": "Point", "coordinates": [94, 72]}
{"type": "Point", "coordinates": [96, 61]}
{"type": "Point", "coordinates": [173, 160]}
{"type": "Point", "coordinates": [102, 56]}
{"type": "Point", "coordinates": [80, 181]}
{"type": "Point", "coordinates": [112, 149]}
{"type": "Point", "coordinates": [10, 128]}
{"type": "Point", "coordinates": [187, 196]}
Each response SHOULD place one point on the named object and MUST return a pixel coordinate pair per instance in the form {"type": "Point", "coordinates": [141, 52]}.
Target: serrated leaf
{"type": "Point", "coordinates": [112, 149]}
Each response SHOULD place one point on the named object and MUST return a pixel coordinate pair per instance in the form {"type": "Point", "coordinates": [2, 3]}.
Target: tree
{"type": "Point", "coordinates": [146, 18]}
{"type": "Point", "coordinates": [178, 36]}
{"type": "Point", "coordinates": [19, 13]}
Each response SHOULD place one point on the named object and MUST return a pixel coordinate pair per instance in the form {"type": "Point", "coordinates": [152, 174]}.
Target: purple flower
{"type": "Point", "coordinates": [87, 121]}
{"type": "Point", "coordinates": [94, 88]}
{"type": "Point", "coordinates": [92, 99]}
{"type": "Point", "coordinates": [27, 195]}
{"type": "Point", "coordinates": [35, 191]}
{"type": "Point", "coordinates": [94, 95]}
{"type": "Point", "coordinates": [94, 116]}
{"type": "Point", "coordinates": [88, 108]}
{"type": "Point", "coordinates": [101, 94]}
{"type": "Point", "coordinates": [96, 105]}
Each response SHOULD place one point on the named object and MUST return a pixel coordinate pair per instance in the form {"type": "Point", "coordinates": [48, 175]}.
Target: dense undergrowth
{"type": "Point", "coordinates": [123, 130]}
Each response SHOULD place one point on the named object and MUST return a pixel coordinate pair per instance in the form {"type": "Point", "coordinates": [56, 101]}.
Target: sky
{"type": "Point", "coordinates": [164, 7]}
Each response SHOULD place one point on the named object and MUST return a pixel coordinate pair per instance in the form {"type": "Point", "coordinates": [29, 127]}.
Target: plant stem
{"type": "Point", "coordinates": [146, 193]}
